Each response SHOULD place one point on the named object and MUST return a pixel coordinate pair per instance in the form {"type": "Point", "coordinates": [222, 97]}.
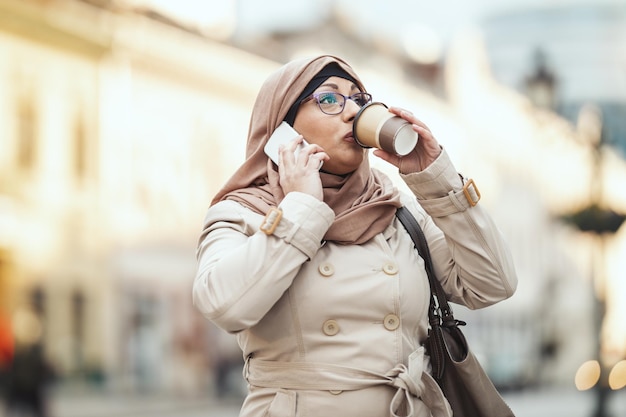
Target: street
{"type": "Point", "coordinates": [562, 402]}
{"type": "Point", "coordinates": [90, 403]}
{"type": "Point", "coordinates": [549, 402]}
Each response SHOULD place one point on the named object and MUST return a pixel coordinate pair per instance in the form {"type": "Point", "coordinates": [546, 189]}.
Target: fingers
{"type": "Point", "coordinates": [406, 115]}
{"type": "Point", "coordinates": [410, 117]}
{"type": "Point", "coordinates": [313, 156]}
{"type": "Point", "coordinates": [420, 127]}
{"type": "Point", "coordinates": [295, 154]}
{"type": "Point", "coordinates": [286, 152]}
{"type": "Point", "coordinates": [299, 166]}
{"type": "Point", "coordinates": [387, 156]}
{"type": "Point", "coordinates": [425, 152]}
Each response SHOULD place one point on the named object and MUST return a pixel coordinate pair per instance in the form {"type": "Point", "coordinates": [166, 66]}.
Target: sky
{"type": "Point", "coordinates": [443, 17]}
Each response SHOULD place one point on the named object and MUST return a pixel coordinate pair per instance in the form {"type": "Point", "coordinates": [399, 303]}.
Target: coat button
{"type": "Point", "coordinates": [391, 322]}
{"type": "Point", "coordinates": [390, 268]}
{"type": "Point", "coordinates": [326, 269]}
{"type": "Point", "coordinates": [331, 327]}
{"type": "Point", "coordinates": [335, 391]}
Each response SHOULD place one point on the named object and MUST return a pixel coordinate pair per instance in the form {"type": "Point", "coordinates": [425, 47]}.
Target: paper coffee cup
{"type": "Point", "coordinates": [375, 127]}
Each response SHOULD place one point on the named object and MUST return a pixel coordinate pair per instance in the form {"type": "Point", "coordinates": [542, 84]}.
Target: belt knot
{"type": "Point", "coordinates": [409, 382]}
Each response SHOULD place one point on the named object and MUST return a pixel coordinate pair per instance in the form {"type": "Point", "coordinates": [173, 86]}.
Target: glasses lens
{"type": "Point", "coordinates": [361, 98]}
{"type": "Point", "coordinates": [330, 103]}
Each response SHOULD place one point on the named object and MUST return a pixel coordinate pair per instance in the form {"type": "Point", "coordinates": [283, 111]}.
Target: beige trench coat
{"type": "Point", "coordinates": [332, 330]}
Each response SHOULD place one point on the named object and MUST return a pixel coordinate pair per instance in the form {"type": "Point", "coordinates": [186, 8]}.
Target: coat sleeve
{"type": "Point", "coordinates": [470, 255]}
{"type": "Point", "coordinates": [242, 271]}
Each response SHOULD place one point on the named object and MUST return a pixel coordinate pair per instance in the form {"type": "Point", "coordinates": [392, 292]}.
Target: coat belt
{"type": "Point", "coordinates": [409, 381]}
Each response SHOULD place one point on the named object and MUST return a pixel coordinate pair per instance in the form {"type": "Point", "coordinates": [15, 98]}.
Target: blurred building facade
{"type": "Point", "coordinates": [571, 61]}
{"type": "Point", "coordinates": [118, 124]}
{"type": "Point", "coordinates": [116, 128]}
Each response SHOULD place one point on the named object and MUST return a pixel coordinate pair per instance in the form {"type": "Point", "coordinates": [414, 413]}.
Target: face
{"type": "Point", "coordinates": [332, 132]}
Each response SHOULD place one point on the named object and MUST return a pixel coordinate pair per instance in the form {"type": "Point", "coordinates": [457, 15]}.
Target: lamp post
{"type": "Point", "coordinates": [541, 84]}
{"type": "Point", "coordinates": [601, 222]}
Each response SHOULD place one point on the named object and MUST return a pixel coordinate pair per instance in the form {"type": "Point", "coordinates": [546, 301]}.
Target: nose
{"type": "Point", "coordinates": [350, 110]}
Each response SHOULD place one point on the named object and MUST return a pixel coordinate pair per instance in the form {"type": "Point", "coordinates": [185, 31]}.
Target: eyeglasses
{"type": "Point", "coordinates": [334, 103]}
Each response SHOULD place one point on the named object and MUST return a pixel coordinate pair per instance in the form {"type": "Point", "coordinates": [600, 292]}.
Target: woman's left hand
{"type": "Point", "coordinates": [425, 152]}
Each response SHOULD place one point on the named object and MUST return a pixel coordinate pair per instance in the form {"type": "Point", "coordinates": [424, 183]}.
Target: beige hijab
{"type": "Point", "coordinates": [364, 201]}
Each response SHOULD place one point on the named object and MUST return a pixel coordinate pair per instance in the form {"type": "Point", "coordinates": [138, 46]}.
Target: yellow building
{"type": "Point", "coordinates": [115, 129]}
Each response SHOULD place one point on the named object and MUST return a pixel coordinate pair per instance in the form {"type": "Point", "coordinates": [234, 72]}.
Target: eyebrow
{"type": "Point", "coordinates": [336, 87]}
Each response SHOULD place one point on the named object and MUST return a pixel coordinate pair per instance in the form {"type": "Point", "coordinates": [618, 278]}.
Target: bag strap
{"type": "Point", "coordinates": [439, 312]}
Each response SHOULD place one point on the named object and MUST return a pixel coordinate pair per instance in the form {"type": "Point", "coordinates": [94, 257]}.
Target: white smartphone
{"type": "Point", "coordinates": [283, 134]}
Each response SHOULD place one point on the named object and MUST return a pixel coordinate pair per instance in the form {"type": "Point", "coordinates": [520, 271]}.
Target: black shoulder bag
{"type": "Point", "coordinates": [462, 379]}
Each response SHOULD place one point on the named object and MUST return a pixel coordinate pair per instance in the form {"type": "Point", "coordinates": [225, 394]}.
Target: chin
{"type": "Point", "coordinates": [346, 165]}
{"type": "Point", "coordinates": [344, 170]}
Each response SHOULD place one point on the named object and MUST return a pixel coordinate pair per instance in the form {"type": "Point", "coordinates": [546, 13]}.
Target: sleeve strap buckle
{"type": "Point", "coordinates": [271, 220]}
{"type": "Point", "coordinates": [471, 192]}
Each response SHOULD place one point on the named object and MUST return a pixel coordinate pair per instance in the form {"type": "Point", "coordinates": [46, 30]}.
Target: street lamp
{"type": "Point", "coordinates": [601, 222]}
{"type": "Point", "coordinates": [541, 84]}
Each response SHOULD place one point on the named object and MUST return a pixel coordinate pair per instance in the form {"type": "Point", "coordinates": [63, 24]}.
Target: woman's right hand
{"type": "Point", "coordinates": [301, 173]}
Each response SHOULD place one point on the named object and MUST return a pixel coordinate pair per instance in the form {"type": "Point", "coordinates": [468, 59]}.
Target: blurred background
{"type": "Point", "coordinates": [119, 120]}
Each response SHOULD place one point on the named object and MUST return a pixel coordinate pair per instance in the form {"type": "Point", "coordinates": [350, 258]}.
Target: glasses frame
{"type": "Point", "coordinates": [315, 96]}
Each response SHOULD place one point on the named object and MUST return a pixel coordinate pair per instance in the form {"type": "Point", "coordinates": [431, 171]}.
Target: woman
{"type": "Point", "coordinates": [329, 300]}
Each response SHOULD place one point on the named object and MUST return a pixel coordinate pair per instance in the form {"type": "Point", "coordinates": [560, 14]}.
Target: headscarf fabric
{"type": "Point", "coordinates": [364, 201]}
